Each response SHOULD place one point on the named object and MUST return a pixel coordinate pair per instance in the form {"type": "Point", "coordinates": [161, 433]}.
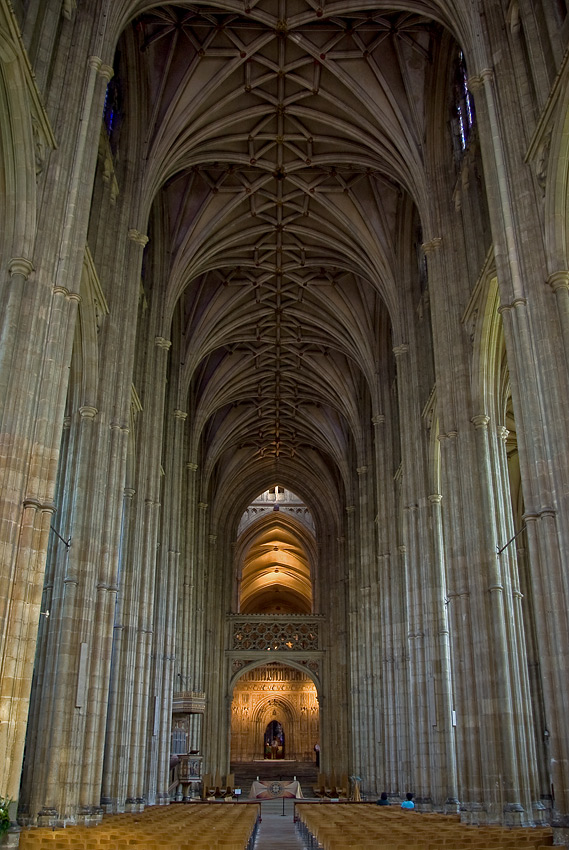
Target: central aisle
{"type": "Point", "coordinates": [275, 831]}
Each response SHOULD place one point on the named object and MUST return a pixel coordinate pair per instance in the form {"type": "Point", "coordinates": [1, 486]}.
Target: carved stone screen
{"type": "Point", "coordinates": [251, 634]}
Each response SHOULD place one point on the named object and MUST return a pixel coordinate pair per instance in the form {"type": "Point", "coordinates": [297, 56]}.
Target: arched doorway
{"type": "Point", "coordinates": [274, 702]}
{"type": "Point", "coordinates": [274, 741]}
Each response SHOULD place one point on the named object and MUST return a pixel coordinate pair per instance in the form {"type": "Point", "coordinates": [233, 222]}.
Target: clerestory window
{"type": "Point", "coordinates": [463, 106]}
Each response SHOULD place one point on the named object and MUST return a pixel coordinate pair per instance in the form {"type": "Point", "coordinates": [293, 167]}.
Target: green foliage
{"type": "Point", "coordinates": [4, 816]}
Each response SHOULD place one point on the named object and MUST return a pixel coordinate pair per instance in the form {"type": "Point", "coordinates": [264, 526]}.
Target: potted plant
{"type": "Point", "coordinates": [5, 822]}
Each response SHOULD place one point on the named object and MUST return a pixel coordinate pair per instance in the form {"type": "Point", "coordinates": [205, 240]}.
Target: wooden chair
{"type": "Point", "coordinates": [229, 784]}
{"type": "Point", "coordinates": [320, 788]}
{"type": "Point", "coordinates": [206, 782]}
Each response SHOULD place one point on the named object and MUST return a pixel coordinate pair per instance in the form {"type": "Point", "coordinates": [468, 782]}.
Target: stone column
{"type": "Point", "coordinates": [119, 520]}
{"type": "Point", "coordinates": [333, 671]}
{"type": "Point", "coordinates": [110, 510]}
{"type": "Point", "coordinates": [503, 791]}
{"type": "Point", "coordinates": [166, 621]}
{"type": "Point", "coordinates": [369, 650]}
{"type": "Point", "coordinates": [536, 394]}
{"type": "Point", "coordinates": [520, 645]}
{"type": "Point", "coordinates": [387, 596]}
{"type": "Point", "coordinates": [218, 708]}
{"type": "Point", "coordinates": [559, 282]}
{"type": "Point", "coordinates": [359, 732]}
{"type": "Point", "coordinates": [199, 648]}
{"type": "Point", "coordinates": [118, 718]}
{"type": "Point", "coordinates": [444, 750]}
{"type": "Point", "coordinates": [145, 553]}
{"type": "Point", "coordinates": [188, 608]}
{"type": "Point", "coordinates": [412, 486]}
{"type": "Point", "coordinates": [546, 559]}
{"type": "Point", "coordinates": [20, 584]}
{"type": "Point", "coordinates": [465, 719]}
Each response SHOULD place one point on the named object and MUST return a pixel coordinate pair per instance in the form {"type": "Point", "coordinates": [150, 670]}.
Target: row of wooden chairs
{"type": "Point", "coordinates": [366, 827]}
{"type": "Point", "coordinates": [216, 785]}
{"type": "Point", "coordinates": [210, 827]}
{"type": "Point", "coordinates": [328, 786]}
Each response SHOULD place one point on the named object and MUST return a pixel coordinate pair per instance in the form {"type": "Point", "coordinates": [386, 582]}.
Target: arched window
{"type": "Point", "coordinates": [113, 109]}
{"type": "Point", "coordinates": [463, 106]}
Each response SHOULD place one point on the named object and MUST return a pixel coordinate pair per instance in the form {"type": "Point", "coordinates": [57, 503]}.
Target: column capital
{"type": "Point", "coordinates": [350, 509]}
{"type": "Point", "coordinates": [559, 280]}
{"type": "Point", "coordinates": [481, 420]}
{"type": "Point", "coordinates": [503, 432]}
{"type": "Point", "coordinates": [136, 236]}
{"type": "Point", "coordinates": [179, 414]}
{"type": "Point", "coordinates": [378, 420]}
{"type": "Point", "coordinates": [95, 62]}
{"type": "Point", "coordinates": [191, 466]}
{"type": "Point", "coordinates": [88, 412]}
{"type": "Point", "coordinates": [107, 71]}
{"type": "Point", "coordinates": [203, 506]}
{"type": "Point", "coordinates": [435, 498]}
{"type": "Point", "coordinates": [20, 265]}
{"type": "Point", "coordinates": [449, 435]}
{"type": "Point", "coordinates": [33, 502]}
{"type": "Point", "coordinates": [71, 296]}
{"type": "Point", "coordinates": [432, 245]}
{"type": "Point", "coordinates": [161, 342]}
{"type": "Point", "coordinates": [401, 349]}
{"type": "Point", "coordinates": [517, 302]}
{"type": "Point", "coordinates": [361, 470]}
{"type": "Point", "coordinates": [476, 82]}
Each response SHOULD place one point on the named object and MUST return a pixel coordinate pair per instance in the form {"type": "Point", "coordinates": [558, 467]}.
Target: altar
{"type": "Point", "coordinates": [273, 789]}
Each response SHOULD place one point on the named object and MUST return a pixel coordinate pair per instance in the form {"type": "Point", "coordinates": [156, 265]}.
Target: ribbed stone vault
{"type": "Point", "coordinates": [284, 149]}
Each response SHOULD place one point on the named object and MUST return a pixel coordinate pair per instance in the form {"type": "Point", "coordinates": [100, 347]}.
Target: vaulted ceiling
{"type": "Point", "coordinates": [283, 148]}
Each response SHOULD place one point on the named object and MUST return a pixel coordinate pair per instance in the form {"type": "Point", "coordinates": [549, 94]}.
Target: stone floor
{"type": "Point", "coordinates": [275, 831]}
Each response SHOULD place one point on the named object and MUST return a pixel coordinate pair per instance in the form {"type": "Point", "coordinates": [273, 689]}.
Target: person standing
{"type": "Point", "coordinates": [274, 748]}
{"type": "Point", "coordinates": [317, 753]}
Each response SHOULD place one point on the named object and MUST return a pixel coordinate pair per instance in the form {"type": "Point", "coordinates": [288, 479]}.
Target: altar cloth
{"type": "Point", "coordinates": [273, 789]}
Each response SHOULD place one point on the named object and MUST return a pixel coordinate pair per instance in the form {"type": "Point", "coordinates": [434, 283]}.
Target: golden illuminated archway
{"type": "Point", "coordinates": [275, 561]}
{"type": "Point", "coordinates": [274, 692]}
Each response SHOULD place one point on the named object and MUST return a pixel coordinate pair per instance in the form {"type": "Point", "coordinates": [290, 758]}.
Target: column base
{"type": "Point", "coordinates": [134, 804]}
{"type": "Point", "coordinates": [49, 817]}
{"type": "Point", "coordinates": [561, 836]}
{"type": "Point", "coordinates": [541, 815]}
{"type": "Point", "coordinates": [473, 814]}
{"type": "Point", "coordinates": [163, 799]}
{"type": "Point", "coordinates": [110, 806]}
{"type": "Point", "coordinates": [515, 815]}
{"type": "Point", "coordinates": [451, 806]}
{"type": "Point", "coordinates": [89, 815]}
{"type": "Point", "coordinates": [423, 804]}
{"type": "Point", "coordinates": [11, 839]}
